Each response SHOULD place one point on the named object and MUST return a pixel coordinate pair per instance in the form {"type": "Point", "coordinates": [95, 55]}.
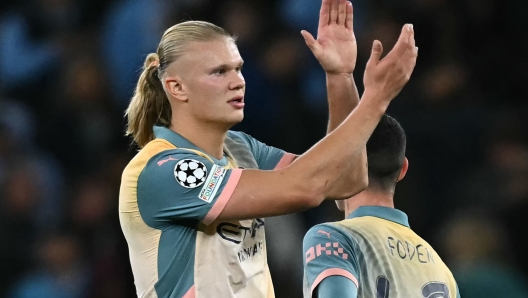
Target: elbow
{"type": "Point", "coordinates": [350, 185]}
{"type": "Point", "coordinates": [309, 194]}
{"type": "Point", "coordinates": [362, 184]}
{"type": "Point", "coordinates": [360, 181]}
{"type": "Point", "coordinates": [313, 200]}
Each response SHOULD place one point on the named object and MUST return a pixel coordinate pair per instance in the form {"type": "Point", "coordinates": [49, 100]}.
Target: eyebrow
{"type": "Point", "coordinates": [227, 65]}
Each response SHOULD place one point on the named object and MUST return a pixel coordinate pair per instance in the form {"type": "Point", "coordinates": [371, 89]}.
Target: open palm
{"type": "Point", "coordinates": [335, 47]}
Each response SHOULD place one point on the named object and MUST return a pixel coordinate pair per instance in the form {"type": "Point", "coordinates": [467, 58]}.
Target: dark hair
{"type": "Point", "coordinates": [386, 154]}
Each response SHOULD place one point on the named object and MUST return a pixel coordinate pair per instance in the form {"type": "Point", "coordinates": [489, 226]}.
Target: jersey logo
{"type": "Point", "coordinates": [161, 162]}
{"type": "Point", "coordinates": [324, 233]}
{"type": "Point", "coordinates": [190, 173]}
{"type": "Point", "coordinates": [328, 248]}
{"type": "Point", "coordinates": [237, 233]}
{"type": "Point", "coordinates": [212, 184]}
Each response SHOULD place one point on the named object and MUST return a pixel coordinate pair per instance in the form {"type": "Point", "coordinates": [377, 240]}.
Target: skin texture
{"type": "Point", "coordinates": [199, 86]}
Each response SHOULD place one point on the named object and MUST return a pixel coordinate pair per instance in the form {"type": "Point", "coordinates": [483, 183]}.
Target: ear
{"type": "Point", "coordinates": [404, 169]}
{"type": "Point", "coordinates": [174, 87]}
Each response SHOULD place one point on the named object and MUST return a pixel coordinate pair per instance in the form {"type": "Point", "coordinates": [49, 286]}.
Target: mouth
{"type": "Point", "coordinates": [237, 102]}
{"type": "Point", "coordinates": [237, 99]}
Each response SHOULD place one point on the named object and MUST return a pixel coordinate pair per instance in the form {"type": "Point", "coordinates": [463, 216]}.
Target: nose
{"type": "Point", "coordinates": [237, 82]}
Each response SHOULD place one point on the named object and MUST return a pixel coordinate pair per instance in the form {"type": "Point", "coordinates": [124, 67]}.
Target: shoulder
{"type": "Point", "coordinates": [241, 136]}
{"type": "Point", "coordinates": [325, 232]}
{"type": "Point", "coordinates": [175, 161]}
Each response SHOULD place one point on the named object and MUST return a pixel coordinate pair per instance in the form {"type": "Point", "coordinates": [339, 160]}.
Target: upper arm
{"type": "Point", "coordinates": [269, 193]}
{"type": "Point", "coordinates": [267, 157]}
{"type": "Point", "coordinates": [327, 252]}
{"type": "Point", "coordinates": [272, 190]}
{"type": "Point", "coordinates": [180, 185]}
{"type": "Point", "coordinates": [335, 286]}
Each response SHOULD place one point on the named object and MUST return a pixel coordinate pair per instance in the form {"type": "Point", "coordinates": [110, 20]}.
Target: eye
{"type": "Point", "coordinates": [239, 69]}
{"type": "Point", "coordinates": [219, 71]}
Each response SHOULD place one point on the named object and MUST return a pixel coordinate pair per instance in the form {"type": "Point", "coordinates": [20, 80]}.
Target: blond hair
{"type": "Point", "coordinates": [150, 106]}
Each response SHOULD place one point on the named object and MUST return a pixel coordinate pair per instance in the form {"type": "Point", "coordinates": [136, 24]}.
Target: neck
{"type": "Point", "coordinates": [209, 137]}
{"type": "Point", "coordinates": [369, 197]}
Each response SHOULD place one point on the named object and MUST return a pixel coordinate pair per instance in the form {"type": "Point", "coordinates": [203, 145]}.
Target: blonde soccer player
{"type": "Point", "coordinates": [192, 200]}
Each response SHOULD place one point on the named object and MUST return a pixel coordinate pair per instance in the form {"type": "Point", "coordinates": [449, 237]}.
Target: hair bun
{"type": "Point", "coordinates": [152, 60]}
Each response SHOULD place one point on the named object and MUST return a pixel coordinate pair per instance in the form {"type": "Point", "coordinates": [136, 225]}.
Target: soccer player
{"type": "Point", "coordinates": [192, 200]}
{"type": "Point", "coordinates": [374, 252]}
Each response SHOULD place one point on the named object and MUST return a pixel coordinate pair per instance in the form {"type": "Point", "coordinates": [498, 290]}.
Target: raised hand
{"type": "Point", "coordinates": [386, 77]}
{"type": "Point", "coordinates": [335, 47]}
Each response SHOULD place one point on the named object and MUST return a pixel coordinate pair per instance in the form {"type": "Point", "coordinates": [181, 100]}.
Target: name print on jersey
{"type": "Point", "coordinates": [408, 251]}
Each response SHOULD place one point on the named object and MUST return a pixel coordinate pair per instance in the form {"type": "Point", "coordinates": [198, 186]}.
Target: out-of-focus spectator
{"type": "Point", "coordinates": [130, 31]}
{"type": "Point", "coordinates": [91, 217]}
{"type": "Point", "coordinates": [60, 272]}
{"type": "Point", "coordinates": [82, 107]}
{"type": "Point", "coordinates": [478, 252]}
{"type": "Point", "coordinates": [31, 40]}
{"type": "Point", "coordinates": [68, 69]}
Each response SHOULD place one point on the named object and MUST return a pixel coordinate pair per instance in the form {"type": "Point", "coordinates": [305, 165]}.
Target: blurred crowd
{"type": "Point", "coordinates": [68, 69]}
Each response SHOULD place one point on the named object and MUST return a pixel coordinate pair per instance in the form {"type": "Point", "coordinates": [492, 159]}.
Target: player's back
{"type": "Point", "coordinates": [384, 256]}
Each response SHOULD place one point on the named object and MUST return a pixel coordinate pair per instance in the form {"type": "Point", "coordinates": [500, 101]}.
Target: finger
{"type": "Point", "coordinates": [314, 46]}
{"type": "Point", "coordinates": [412, 49]}
{"type": "Point", "coordinates": [377, 51]}
{"type": "Point", "coordinates": [410, 40]}
{"type": "Point", "coordinates": [349, 23]}
{"type": "Point", "coordinates": [341, 17]}
{"type": "Point", "coordinates": [403, 40]}
{"type": "Point", "coordinates": [324, 14]}
{"type": "Point", "coordinates": [333, 11]}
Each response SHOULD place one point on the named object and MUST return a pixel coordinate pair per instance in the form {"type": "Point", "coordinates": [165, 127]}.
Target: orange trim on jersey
{"type": "Point", "coordinates": [331, 272]}
{"type": "Point", "coordinates": [221, 202]}
{"type": "Point", "coordinates": [191, 293]}
{"type": "Point", "coordinates": [285, 161]}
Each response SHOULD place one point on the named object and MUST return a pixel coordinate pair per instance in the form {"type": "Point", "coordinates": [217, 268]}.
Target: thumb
{"type": "Point", "coordinates": [377, 50]}
{"type": "Point", "coordinates": [314, 46]}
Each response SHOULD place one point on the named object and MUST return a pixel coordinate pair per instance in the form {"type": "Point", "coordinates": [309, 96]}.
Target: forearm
{"type": "Point", "coordinates": [328, 161]}
{"type": "Point", "coordinates": [343, 97]}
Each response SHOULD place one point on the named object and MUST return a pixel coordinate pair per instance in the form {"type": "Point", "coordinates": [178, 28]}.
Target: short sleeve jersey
{"type": "Point", "coordinates": [171, 194]}
{"type": "Point", "coordinates": [376, 249]}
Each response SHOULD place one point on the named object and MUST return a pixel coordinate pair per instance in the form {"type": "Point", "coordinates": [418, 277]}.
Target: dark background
{"type": "Point", "coordinates": [68, 67]}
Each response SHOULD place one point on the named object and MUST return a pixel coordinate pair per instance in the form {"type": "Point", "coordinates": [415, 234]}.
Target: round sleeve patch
{"type": "Point", "coordinates": [190, 173]}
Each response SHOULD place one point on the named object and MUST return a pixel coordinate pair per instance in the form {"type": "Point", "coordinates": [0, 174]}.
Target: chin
{"type": "Point", "coordinates": [233, 119]}
{"type": "Point", "coordinates": [236, 117]}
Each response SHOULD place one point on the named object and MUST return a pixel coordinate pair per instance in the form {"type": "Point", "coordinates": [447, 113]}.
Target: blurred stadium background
{"type": "Point", "coordinates": [68, 67]}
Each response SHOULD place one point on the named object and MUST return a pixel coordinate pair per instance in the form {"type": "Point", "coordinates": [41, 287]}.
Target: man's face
{"type": "Point", "coordinates": [212, 80]}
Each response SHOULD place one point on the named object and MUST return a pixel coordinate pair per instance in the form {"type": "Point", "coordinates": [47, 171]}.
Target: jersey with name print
{"type": "Point", "coordinates": [171, 195]}
{"type": "Point", "coordinates": [376, 249]}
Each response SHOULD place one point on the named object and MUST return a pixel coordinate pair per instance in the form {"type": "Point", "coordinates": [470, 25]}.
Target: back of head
{"type": "Point", "coordinates": [386, 154]}
{"type": "Point", "coordinates": [149, 105]}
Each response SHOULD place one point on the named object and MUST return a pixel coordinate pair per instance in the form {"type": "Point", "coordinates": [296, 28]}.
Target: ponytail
{"type": "Point", "coordinates": [149, 105]}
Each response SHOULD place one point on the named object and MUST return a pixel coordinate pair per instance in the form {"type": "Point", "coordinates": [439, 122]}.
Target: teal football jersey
{"type": "Point", "coordinates": [171, 195]}
{"type": "Point", "coordinates": [376, 249]}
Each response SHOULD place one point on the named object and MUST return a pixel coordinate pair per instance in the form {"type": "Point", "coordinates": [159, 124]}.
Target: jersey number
{"type": "Point", "coordinates": [432, 289]}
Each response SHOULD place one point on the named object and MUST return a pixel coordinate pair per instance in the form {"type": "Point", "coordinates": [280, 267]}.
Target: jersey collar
{"type": "Point", "coordinates": [387, 213]}
{"type": "Point", "coordinates": [179, 141]}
